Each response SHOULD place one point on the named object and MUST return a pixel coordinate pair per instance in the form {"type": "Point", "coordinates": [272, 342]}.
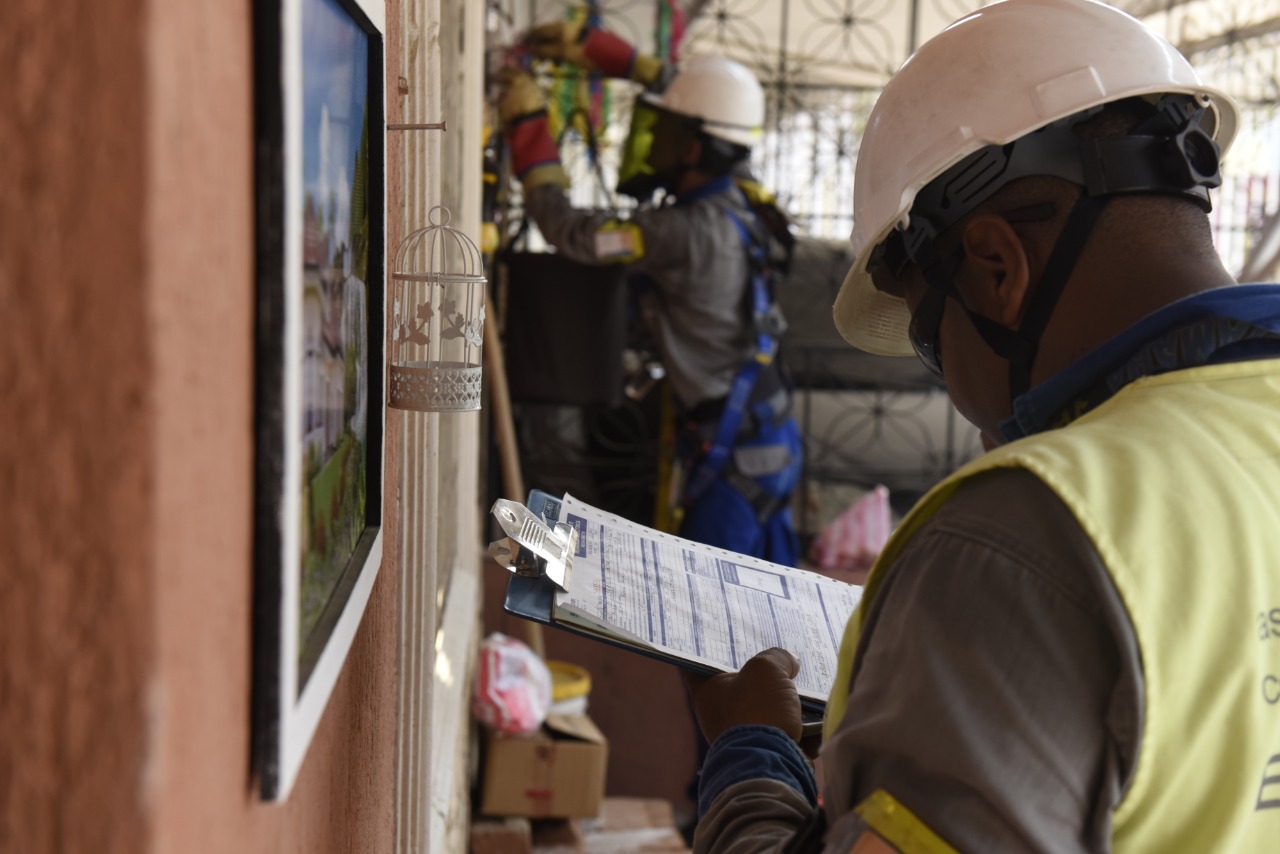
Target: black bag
{"type": "Point", "coordinates": [565, 329]}
{"type": "Point", "coordinates": [565, 321]}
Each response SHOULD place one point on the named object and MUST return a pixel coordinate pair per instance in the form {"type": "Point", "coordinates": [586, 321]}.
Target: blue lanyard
{"type": "Point", "coordinates": [740, 393]}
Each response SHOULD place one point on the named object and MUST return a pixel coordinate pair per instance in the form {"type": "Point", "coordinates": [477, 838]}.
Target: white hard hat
{"type": "Point", "coordinates": [988, 79]}
{"type": "Point", "coordinates": [724, 94]}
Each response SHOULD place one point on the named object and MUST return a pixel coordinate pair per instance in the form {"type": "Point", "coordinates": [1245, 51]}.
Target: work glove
{"type": "Point", "coordinates": [593, 49]}
{"type": "Point", "coordinates": [763, 692]}
{"type": "Point", "coordinates": [520, 97]}
{"type": "Point", "coordinates": [522, 112]}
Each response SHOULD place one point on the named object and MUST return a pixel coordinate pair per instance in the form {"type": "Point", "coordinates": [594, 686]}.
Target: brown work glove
{"type": "Point", "coordinates": [592, 49]}
{"type": "Point", "coordinates": [763, 692]}
{"type": "Point", "coordinates": [522, 113]}
{"type": "Point", "coordinates": [520, 96]}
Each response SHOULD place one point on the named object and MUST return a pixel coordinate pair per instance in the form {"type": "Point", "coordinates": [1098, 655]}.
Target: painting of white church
{"type": "Point", "coordinates": [335, 257]}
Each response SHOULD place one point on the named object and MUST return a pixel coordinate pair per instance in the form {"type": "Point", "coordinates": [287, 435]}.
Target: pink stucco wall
{"type": "Point", "coordinates": [126, 455]}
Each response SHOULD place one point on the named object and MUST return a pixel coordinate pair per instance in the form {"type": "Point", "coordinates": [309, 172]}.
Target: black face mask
{"type": "Point", "coordinates": [642, 186]}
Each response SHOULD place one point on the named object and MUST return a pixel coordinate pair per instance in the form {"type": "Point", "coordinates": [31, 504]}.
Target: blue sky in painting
{"type": "Point", "coordinates": [335, 85]}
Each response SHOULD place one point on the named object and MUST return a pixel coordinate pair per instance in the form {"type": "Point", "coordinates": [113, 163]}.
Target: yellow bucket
{"type": "Point", "coordinates": [570, 685]}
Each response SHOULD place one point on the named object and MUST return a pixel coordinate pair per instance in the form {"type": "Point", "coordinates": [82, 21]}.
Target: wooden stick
{"type": "Point", "coordinates": [505, 430]}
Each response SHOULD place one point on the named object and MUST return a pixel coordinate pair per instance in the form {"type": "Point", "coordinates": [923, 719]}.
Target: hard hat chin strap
{"type": "Point", "coordinates": [1019, 346]}
{"type": "Point", "coordinates": [1167, 154]}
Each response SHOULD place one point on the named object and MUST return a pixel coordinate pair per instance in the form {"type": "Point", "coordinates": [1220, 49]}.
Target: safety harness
{"type": "Point", "coordinates": [768, 323]}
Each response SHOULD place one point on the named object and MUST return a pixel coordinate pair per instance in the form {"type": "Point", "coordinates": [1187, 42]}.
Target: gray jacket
{"type": "Point", "coordinates": [696, 309]}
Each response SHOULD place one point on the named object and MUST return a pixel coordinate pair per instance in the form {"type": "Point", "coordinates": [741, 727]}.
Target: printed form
{"type": "Point", "coordinates": [699, 603]}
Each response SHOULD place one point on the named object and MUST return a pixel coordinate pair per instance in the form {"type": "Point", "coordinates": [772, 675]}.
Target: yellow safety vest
{"type": "Point", "coordinates": [1176, 480]}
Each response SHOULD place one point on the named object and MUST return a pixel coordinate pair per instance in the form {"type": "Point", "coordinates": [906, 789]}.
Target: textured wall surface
{"type": "Point", "coordinates": [77, 430]}
{"type": "Point", "coordinates": [126, 455]}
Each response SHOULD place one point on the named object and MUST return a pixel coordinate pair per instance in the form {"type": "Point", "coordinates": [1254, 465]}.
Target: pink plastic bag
{"type": "Point", "coordinates": [852, 541]}
{"type": "Point", "coordinates": [513, 686]}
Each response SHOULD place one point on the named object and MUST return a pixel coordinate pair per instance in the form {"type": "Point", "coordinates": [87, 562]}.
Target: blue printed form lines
{"type": "Point", "coordinates": [722, 566]}
{"type": "Point", "coordinates": [604, 577]}
{"type": "Point", "coordinates": [696, 619]}
{"type": "Point", "coordinates": [826, 617]}
{"type": "Point", "coordinates": [652, 582]}
{"type": "Point", "coordinates": [772, 583]}
{"type": "Point", "coordinates": [581, 524]}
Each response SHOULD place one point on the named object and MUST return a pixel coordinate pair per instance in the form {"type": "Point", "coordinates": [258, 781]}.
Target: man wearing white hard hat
{"type": "Point", "coordinates": [1073, 643]}
{"type": "Point", "coordinates": [702, 264]}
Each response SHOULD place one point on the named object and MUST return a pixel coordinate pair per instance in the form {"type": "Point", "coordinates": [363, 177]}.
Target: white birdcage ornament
{"type": "Point", "coordinates": [437, 320]}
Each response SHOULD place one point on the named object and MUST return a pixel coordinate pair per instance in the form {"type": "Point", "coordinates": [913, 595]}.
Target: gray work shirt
{"type": "Point", "coordinates": [998, 691]}
{"type": "Point", "coordinates": [696, 309]}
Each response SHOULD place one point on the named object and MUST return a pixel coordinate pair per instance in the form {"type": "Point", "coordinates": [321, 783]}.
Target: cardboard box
{"type": "Point", "coordinates": [557, 772]}
{"type": "Point", "coordinates": [509, 835]}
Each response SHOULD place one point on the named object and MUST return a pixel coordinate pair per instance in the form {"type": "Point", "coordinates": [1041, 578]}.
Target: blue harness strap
{"type": "Point", "coordinates": [735, 406]}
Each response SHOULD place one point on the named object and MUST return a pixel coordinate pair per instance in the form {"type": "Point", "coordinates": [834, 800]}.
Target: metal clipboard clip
{"type": "Point", "coordinates": [531, 548]}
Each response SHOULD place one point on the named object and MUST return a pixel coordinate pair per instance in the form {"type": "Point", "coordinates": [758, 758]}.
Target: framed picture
{"type": "Point", "coordinates": [319, 359]}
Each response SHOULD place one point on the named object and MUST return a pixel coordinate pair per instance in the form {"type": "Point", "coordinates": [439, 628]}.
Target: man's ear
{"type": "Point", "coordinates": [996, 273]}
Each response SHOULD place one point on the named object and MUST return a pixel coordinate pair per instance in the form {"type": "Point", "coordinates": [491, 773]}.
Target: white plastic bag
{"type": "Point", "coordinates": [513, 686]}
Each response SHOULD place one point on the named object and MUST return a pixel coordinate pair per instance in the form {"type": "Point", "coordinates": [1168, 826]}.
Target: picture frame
{"type": "Point", "coordinates": [320, 371]}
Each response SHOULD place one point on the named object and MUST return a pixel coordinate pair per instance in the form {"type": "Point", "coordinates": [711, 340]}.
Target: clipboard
{"type": "Point", "coordinates": [541, 569]}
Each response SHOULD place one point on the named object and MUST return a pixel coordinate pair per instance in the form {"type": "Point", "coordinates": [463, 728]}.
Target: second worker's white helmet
{"type": "Point", "coordinates": [723, 94]}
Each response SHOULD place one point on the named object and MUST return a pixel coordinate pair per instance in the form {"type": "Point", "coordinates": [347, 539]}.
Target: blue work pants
{"type": "Point", "coordinates": [722, 516]}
